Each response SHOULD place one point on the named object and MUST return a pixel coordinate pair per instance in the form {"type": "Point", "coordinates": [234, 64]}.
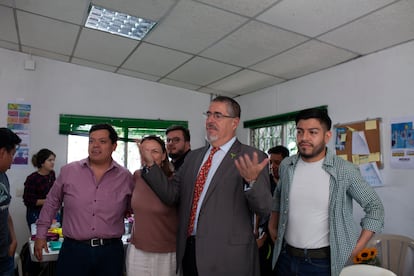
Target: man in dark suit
{"type": "Point", "coordinates": [215, 237]}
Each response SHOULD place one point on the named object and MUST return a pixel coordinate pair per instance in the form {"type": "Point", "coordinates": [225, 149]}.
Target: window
{"type": "Point", "coordinates": [129, 130]}
{"type": "Point", "coordinates": [274, 130]}
{"type": "Point", "coordinates": [265, 138]}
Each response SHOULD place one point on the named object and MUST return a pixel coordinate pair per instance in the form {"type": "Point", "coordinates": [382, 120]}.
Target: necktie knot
{"type": "Point", "coordinates": [213, 151]}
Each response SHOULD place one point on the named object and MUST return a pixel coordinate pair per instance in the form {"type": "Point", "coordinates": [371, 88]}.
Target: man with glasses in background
{"type": "Point", "coordinates": [178, 144]}
{"type": "Point", "coordinates": [216, 190]}
{"type": "Point", "coordinates": [9, 143]}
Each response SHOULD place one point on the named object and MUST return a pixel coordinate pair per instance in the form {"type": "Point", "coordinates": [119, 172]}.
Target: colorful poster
{"type": "Point", "coordinates": [402, 143]}
{"type": "Point", "coordinates": [18, 120]}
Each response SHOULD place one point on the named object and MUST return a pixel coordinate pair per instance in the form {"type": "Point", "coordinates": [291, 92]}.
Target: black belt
{"type": "Point", "coordinates": [96, 241]}
{"type": "Point", "coordinates": [319, 253]}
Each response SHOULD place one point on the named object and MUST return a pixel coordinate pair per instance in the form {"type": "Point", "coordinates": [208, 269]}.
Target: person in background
{"type": "Point", "coordinates": [9, 142]}
{"type": "Point", "coordinates": [264, 241]}
{"type": "Point", "coordinates": [216, 190]}
{"type": "Point", "coordinates": [276, 155]}
{"type": "Point", "coordinates": [38, 184]}
{"type": "Point", "coordinates": [96, 193]}
{"type": "Point", "coordinates": [153, 238]}
{"type": "Point", "coordinates": [178, 144]}
{"type": "Point", "coordinates": [312, 221]}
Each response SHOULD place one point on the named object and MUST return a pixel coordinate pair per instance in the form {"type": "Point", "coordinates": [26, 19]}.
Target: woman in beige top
{"type": "Point", "coordinates": [153, 238]}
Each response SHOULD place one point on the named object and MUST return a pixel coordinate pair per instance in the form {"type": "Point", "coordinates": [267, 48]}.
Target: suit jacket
{"type": "Point", "coordinates": [225, 244]}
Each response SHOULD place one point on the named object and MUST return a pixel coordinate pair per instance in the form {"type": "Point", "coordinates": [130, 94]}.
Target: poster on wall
{"type": "Point", "coordinates": [18, 120]}
{"type": "Point", "coordinates": [402, 143]}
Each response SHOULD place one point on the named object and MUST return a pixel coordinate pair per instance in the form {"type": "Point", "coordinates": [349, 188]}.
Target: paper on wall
{"type": "Point", "coordinates": [359, 143]}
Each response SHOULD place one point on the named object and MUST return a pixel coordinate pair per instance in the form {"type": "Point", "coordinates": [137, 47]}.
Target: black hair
{"type": "Point", "coordinates": [165, 165]}
{"type": "Point", "coordinates": [39, 158]}
{"type": "Point", "coordinates": [8, 139]}
{"type": "Point", "coordinates": [185, 131]}
{"type": "Point", "coordinates": [315, 113]}
{"type": "Point", "coordinates": [112, 133]}
{"type": "Point", "coordinates": [279, 150]}
{"type": "Point", "coordinates": [233, 107]}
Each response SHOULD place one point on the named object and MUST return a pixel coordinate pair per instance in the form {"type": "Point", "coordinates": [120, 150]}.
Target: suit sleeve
{"type": "Point", "coordinates": [166, 190]}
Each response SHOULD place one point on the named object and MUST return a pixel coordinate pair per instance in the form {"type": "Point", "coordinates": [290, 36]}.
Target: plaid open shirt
{"type": "Point", "coordinates": [346, 185]}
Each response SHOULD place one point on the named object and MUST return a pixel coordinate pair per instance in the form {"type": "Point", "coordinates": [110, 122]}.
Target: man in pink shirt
{"type": "Point", "coordinates": [96, 193]}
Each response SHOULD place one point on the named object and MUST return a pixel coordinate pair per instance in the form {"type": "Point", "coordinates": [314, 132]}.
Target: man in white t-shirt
{"type": "Point", "coordinates": [312, 222]}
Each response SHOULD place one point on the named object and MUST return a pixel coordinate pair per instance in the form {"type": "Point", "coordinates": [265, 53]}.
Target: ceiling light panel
{"type": "Point", "coordinates": [118, 23]}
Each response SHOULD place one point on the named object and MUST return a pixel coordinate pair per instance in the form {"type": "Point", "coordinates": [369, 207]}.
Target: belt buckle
{"type": "Point", "coordinates": [96, 242]}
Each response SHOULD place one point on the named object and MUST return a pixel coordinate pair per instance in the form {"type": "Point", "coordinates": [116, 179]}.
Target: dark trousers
{"type": "Point", "coordinates": [288, 265]}
{"type": "Point", "coordinates": [189, 260]}
{"type": "Point", "coordinates": [265, 257]}
{"type": "Point", "coordinates": [76, 258]}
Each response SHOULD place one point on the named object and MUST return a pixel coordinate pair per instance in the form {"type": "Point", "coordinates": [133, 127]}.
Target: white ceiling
{"type": "Point", "coordinates": [227, 47]}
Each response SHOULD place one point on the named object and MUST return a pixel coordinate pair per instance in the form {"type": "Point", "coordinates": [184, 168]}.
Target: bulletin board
{"type": "Point", "coordinates": [354, 150]}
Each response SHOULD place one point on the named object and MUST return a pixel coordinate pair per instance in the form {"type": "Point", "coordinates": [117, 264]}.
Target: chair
{"type": "Point", "coordinates": [364, 270]}
{"type": "Point", "coordinates": [395, 253]}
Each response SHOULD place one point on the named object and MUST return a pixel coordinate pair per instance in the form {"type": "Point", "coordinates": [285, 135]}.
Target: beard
{"type": "Point", "coordinates": [176, 155]}
{"type": "Point", "coordinates": [316, 150]}
{"type": "Point", "coordinates": [211, 138]}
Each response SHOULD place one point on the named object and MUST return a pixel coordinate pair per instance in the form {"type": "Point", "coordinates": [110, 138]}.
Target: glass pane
{"type": "Point", "coordinates": [77, 147]}
{"type": "Point", "coordinates": [291, 137]}
{"type": "Point", "coordinates": [134, 159]}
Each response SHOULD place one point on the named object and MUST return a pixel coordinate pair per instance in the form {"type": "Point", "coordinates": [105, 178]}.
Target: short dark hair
{"type": "Point", "coordinates": [39, 158]}
{"type": "Point", "coordinates": [112, 133]}
{"type": "Point", "coordinates": [315, 113]}
{"type": "Point", "coordinates": [185, 131]}
{"type": "Point", "coordinates": [165, 165]}
{"type": "Point", "coordinates": [279, 150]}
{"type": "Point", "coordinates": [8, 139]}
{"type": "Point", "coordinates": [233, 107]}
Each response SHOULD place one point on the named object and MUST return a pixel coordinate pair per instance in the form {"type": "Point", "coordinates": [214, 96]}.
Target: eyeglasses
{"type": "Point", "coordinates": [174, 140]}
{"type": "Point", "coordinates": [216, 115]}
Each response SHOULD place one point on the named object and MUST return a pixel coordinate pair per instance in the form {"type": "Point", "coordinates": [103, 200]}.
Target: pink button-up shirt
{"type": "Point", "coordinates": [91, 209]}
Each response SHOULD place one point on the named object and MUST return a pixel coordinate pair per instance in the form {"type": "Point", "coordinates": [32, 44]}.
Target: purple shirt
{"type": "Point", "coordinates": [91, 209]}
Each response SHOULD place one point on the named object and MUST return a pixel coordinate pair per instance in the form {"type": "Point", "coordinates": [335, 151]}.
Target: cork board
{"type": "Point", "coordinates": [350, 145]}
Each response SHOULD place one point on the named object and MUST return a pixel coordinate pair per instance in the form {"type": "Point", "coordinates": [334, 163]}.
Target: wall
{"type": "Point", "coordinates": [378, 85]}
{"type": "Point", "coordinates": [56, 87]}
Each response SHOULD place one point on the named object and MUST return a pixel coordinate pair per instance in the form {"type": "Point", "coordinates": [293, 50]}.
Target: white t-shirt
{"type": "Point", "coordinates": [308, 224]}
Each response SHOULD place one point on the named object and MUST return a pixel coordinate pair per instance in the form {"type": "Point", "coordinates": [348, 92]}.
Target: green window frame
{"type": "Point", "coordinates": [275, 130]}
{"type": "Point", "coordinates": [128, 129]}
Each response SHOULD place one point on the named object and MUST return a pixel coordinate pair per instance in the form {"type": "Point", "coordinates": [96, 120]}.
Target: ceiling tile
{"type": "Point", "coordinates": [155, 60]}
{"type": "Point", "coordinates": [9, 3]}
{"type": "Point", "coordinates": [309, 57]}
{"type": "Point", "coordinates": [148, 9]}
{"type": "Point", "coordinates": [100, 47]}
{"type": "Point", "coordinates": [244, 82]}
{"type": "Point", "coordinates": [93, 65]}
{"type": "Point", "coordinates": [73, 11]}
{"type": "Point", "coordinates": [380, 30]}
{"type": "Point", "coordinates": [8, 45]}
{"type": "Point", "coordinates": [315, 17]}
{"type": "Point", "coordinates": [46, 54]}
{"type": "Point", "coordinates": [180, 84]}
{"type": "Point", "coordinates": [252, 43]}
{"type": "Point", "coordinates": [244, 7]}
{"type": "Point", "coordinates": [138, 75]}
{"type": "Point", "coordinates": [202, 71]}
{"type": "Point", "coordinates": [191, 27]}
{"type": "Point", "coordinates": [7, 25]}
{"type": "Point", "coordinates": [46, 34]}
